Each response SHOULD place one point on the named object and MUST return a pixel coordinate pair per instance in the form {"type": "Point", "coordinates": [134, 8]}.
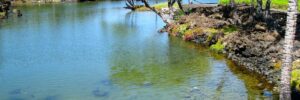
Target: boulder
{"type": "Point", "coordinates": [260, 27]}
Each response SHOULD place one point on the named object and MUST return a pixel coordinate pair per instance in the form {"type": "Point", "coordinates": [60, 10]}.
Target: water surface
{"type": "Point", "coordinates": [100, 51]}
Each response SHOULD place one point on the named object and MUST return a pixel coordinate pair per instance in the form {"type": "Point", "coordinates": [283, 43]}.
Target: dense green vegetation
{"type": "Point", "coordinates": [276, 4]}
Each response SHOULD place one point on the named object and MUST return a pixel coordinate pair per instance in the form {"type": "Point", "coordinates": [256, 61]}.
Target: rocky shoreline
{"type": "Point", "coordinates": [7, 6]}
{"type": "Point", "coordinates": [247, 40]}
{"type": "Point", "coordinates": [26, 2]}
{"type": "Point", "coordinates": [6, 9]}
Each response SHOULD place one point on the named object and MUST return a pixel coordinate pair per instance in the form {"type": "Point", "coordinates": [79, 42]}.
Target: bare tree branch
{"type": "Point", "coordinates": [153, 9]}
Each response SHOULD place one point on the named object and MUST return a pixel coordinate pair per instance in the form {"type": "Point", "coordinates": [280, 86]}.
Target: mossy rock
{"type": "Point", "coordinates": [179, 30]}
{"type": "Point", "coordinates": [218, 47]}
{"type": "Point", "coordinates": [190, 34]}
{"type": "Point", "coordinates": [183, 28]}
{"type": "Point", "coordinates": [296, 64]}
{"type": "Point", "coordinates": [211, 30]}
{"type": "Point", "coordinates": [174, 30]}
{"type": "Point", "coordinates": [277, 65]}
{"type": "Point", "coordinates": [210, 33]}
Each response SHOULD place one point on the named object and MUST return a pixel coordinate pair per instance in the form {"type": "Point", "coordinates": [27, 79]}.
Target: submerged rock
{"type": "Point", "coordinates": [195, 89]}
{"type": "Point", "coordinates": [106, 82]}
{"type": "Point", "coordinates": [147, 84]}
{"type": "Point", "coordinates": [16, 92]}
{"type": "Point", "coordinates": [99, 93]}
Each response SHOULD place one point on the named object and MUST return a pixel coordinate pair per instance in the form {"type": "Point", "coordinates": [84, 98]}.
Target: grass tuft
{"type": "Point", "coordinates": [158, 6]}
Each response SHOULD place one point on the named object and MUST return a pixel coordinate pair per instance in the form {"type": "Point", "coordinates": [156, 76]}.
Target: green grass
{"type": "Point", "coordinates": [158, 6]}
{"type": "Point", "coordinates": [276, 4]}
{"type": "Point", "coordinates": [163, 5]}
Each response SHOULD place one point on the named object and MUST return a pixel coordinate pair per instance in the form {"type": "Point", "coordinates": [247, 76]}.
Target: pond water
{"type": "Point", "coordinates": [100, 51]}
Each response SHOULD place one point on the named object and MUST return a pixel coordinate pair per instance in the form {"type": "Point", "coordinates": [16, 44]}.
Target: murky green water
{"type": "Point", "coordinates": [100, 51]}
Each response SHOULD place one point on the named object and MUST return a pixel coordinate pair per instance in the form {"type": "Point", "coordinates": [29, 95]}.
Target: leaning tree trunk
{"type": "Point", "coordinates": [179, 2]}
{"type": "Point", "coordinates": [130, 4]}
{"type": "Point", "coordinates": [171, 9]}
{"type": "Point", "coordinates": [285, 89]}
{"type": "Point", "coordinates": [166, 18]}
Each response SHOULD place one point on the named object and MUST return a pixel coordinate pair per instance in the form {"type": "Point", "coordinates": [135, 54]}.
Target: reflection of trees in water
{"type": "Point", "coordinates": [131, 19]}
{"type": "Point", "coordinates": [220, 86]}
{"type": "Point", "coordinates": [52, 14]}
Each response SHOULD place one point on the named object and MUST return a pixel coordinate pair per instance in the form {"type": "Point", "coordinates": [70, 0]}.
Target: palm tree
{"type": "Point", "coordinates": [285, 89]}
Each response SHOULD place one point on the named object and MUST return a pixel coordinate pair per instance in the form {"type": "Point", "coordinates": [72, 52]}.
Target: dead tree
{"type": "Point", "coordinates": [179, 2]}
{"type": "Point", "coordinates": [171, 3]}
{"type": "Point", "coordinates": [167, 15]}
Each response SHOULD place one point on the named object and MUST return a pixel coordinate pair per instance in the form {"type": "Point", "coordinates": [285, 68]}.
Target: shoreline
{"type": "Point", "coordinates": [253, 44]}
